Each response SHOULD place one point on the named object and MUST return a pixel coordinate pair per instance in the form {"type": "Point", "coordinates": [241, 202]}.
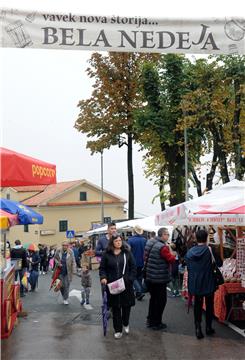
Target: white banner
{"type": "Point", "coordinates": [42, 30]}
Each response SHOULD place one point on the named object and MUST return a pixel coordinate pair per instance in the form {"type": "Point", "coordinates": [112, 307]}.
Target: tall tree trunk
{"type": "Point", "coordinates": [219, 139]}
{"type": "Point", "coordinates": [223, 166]}
{"type": "Point", "coordinates": [197, 182]}
{"type": "Point", "coordinates": [176, 172]}
{"type": "Point", "coordinates": [210, 175]}
{"type": "Point", "coordinates": [161, 187]}
{"type": "Point", "coordinates": [130, 178]}
{"type": "Point", "coordinates": [239, 165]}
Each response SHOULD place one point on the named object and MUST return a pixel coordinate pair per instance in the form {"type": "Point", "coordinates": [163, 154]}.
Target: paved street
{"type": "Point", "coordinates": [56, 331]}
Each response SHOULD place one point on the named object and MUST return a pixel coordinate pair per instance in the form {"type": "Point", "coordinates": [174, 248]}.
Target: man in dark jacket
{"type": "Point", "coordinates": [43, 253]}
{"type": "Point", "coordinates": [158, 259]}
{"type": "Point", "coordinates": [18, 253]}
{"type": "Point", "coordinates": [137, 244]}
{"type": "Point", "coordinates": [103, 240]}
{"type": "Point", "coordinates": [201, 281]}
{"type": "Point", "coordinates": [34, 261]}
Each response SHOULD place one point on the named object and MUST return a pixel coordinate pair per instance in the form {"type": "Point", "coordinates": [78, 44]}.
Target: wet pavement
{"type": "Point", "coordinates": [55, 331]}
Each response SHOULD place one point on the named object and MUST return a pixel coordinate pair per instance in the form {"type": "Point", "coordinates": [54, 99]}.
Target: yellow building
{"type": "Point", "coordinates": [70, 205]}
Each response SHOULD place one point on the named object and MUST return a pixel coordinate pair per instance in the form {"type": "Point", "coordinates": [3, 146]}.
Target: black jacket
{"type": "Point", "coordinates": [19, 253]}
{"type": "Point", "coordinates": [157, 268]}
{"type": "Point", "coordinates": [111, 268]}
{"type": "Point", "coordinates": [35, 258]}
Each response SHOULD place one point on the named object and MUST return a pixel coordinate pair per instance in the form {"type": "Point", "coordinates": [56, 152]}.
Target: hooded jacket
{"type": "Point", "coordinates": [200, 272]}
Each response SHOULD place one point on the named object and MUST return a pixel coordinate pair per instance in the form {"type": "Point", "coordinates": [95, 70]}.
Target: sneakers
{"type": "Point", "coordinates": [82, 302]}
{"type": "Point", "coordinates": [140, 297]}
{"type": "Point", "coordinates": [66, 302]}
{"type": "Point", "coordinates": [126, 329]}
{"type": "Point", "coordinates": [118, 335]}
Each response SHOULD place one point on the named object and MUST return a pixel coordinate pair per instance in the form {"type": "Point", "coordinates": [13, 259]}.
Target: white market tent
{"type": "Point", "coordinates": [221, 206]}
{"type": "Point", "coordinates": [147, 224]}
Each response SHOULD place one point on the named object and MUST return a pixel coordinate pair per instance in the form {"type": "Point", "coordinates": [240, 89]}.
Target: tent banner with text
{"type": "Point", "coordinates": [43, 30]}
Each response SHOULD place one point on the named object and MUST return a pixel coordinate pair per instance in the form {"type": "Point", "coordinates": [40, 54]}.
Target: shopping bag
{"type": "Point", "coordinates": [24, 280]}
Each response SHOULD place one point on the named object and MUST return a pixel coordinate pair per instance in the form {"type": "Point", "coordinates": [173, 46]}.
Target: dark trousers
{"type": "Point", "coordinates": [43, 265]}
{"type": "Point", "coordinates": [120, 317]}
{"type": "Point", "coordinates": [157, 303]}
{"type": "Point", "coordinates": [198, 305]}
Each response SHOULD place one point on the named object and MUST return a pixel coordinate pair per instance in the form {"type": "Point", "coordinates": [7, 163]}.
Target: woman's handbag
{"type": "Point", "coordinates": [118, 286]}
{"type": "Point", "coordinates": [218, 277]}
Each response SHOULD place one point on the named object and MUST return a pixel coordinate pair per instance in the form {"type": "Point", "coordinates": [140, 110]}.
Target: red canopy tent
{"type": "Point", "coordinates": [22, 170]}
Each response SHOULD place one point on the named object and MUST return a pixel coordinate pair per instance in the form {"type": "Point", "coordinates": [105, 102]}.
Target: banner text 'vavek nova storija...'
{"type": "Point", "coordinates": [30, 29]}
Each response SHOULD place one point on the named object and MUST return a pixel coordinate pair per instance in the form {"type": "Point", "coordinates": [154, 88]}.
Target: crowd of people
{"type": "Point", "coordinates": [32, 261]}
{"type": "Point", "coordinates": [143, 265]}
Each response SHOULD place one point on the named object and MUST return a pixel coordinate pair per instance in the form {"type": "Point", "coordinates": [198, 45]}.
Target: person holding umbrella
{"type": "Point", "coordinates": [34, 261]}
{"type": "Point", "coordinates": [117, 262]}
{"type": "Point", "coordinates": [65, 261]}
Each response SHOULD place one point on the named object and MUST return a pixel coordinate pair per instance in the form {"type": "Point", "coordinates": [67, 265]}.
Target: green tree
{"type": "Point", "coordinates": [216, 105]}
{"type": "Point", "coordinates": [107, 116]}
{"type": "Point", "coordinates": [163, 86]}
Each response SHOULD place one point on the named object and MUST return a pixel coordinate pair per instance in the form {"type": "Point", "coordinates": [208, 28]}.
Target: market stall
{"type": "Point", "coordinates": [11, 213]}
{"type": "Point", "coordinates": [223, 207]}
{"type": "Point", "coordinates": [22, 170]}
{"type": "Point", "coordinates": [10, 301]}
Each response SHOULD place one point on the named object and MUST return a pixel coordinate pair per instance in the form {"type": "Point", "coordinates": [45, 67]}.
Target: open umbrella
{"type": "Point", "coordinates": [32, 247]}
{"type": "Point", "coordinates": [26, 245]}
{"type": "Point", "coordinates": [104, 310]}
{"type": "Point", "coordinates": [25, 214]}
{"type": "Point", "coordinates": [7, 220]}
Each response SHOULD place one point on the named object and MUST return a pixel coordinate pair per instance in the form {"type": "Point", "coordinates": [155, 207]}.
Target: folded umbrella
{"type": "Point", "coordinates": [104, 308]}
{"type": "Point", "coordinates": [55, 276]}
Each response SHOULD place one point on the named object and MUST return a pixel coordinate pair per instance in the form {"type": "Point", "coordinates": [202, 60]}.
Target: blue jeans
{"type": "Point", "coordinates": [138, 281]}
{"type": "Point", "coordinates": [33, 279]}
{"type": "Point", "coordinates": [85, 294]}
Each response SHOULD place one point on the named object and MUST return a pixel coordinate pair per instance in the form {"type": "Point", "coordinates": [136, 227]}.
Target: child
{"type": "Point", "coordinates": [86, 282]}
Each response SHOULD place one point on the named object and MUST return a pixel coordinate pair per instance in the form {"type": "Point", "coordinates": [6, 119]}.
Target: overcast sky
{"type": "Point", "coordinates": [40, 90]}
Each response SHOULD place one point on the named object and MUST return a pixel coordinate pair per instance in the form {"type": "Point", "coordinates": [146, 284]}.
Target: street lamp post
{"type": "Point", "coordinates": [186, 166]}
{"type": "Point", "coordinates": [102, 187]}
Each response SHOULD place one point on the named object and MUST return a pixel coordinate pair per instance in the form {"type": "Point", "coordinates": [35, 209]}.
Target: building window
{"type": "Point", "coordinates": [8, 196]}
{"type": "Point", "coordinates": [63, 225]}
{"type": "Point", "coordinates": [83, 196]}
{"type": "Point", "coordinates": [26, 228]}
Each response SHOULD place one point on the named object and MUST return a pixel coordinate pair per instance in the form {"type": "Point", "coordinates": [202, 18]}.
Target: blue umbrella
{"type": "Point", "coordinates": [25, 214]}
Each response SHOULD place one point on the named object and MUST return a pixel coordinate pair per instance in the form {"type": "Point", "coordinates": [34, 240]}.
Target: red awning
{"type": "Point", "coordinates": [22, 170]}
